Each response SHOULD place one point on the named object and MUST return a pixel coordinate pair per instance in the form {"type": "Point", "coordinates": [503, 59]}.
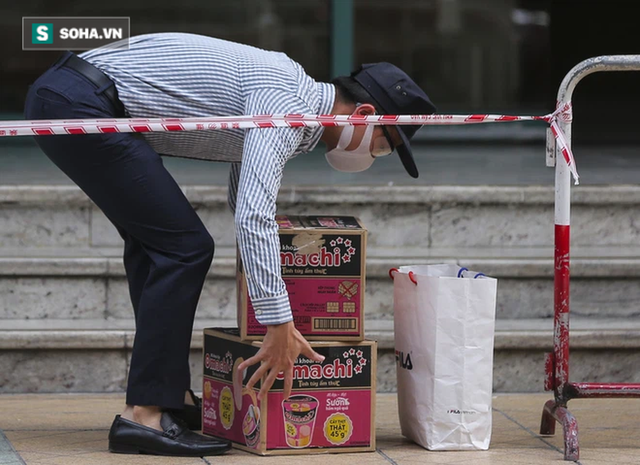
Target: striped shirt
{"type": "Point", "coordinates": [186, 75]}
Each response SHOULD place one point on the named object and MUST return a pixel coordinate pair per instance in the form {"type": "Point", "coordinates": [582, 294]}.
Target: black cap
{"type": "Point", "coordinates": [396, 94]}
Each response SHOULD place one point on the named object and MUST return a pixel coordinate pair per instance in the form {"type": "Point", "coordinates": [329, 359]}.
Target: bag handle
{"type": "Point", "coordinates": [392, 271]}
{"type": "Point", "coordinates": [411, 275]}
{"type": "Point", "coordinates": [463, 269]}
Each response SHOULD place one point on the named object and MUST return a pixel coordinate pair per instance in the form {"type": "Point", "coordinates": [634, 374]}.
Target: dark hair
{"type": "Point", "coordinates": [350, 91]}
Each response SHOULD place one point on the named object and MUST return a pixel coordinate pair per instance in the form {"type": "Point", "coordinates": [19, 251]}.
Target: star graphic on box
{"type": "Point", "coordinates": [352, 351]}
{"type": "Point", "coordinates": [346, 258]}
{"type": "Point", "coordinates": [333, 243]}
{"type": "Point", "coordinates": [358, 369]}
{"type": "Point", "coordinates": [346, 355]}
{"type": "Point", "coordinates": [339, 240]}
{"type": "Point", "coordinates": [363, 361]}
{"type": "Point", "coordinates": [359, 354]}
{"type": "Point", "coordinates": [347, 243]}
{"type": "Point", "coordinates": [351, 251]}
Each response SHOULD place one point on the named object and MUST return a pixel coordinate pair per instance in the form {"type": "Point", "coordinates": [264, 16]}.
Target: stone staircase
{"type": "Point", "coordinates": [66, 323]}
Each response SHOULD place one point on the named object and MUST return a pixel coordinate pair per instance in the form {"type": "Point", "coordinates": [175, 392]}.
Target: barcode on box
{"type": "Point", "coordinates": [335, 324]}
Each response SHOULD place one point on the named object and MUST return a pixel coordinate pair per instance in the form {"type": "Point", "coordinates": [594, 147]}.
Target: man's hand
{"type": "Point", "coordinates": [281, 347]}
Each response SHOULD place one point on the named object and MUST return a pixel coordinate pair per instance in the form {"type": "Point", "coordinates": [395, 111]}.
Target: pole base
{"type": "Point", "coordinates": [553, 412]}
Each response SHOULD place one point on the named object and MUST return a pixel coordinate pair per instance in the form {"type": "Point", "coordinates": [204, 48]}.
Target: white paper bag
{"type": "Point", "coordinates": [444, 332]}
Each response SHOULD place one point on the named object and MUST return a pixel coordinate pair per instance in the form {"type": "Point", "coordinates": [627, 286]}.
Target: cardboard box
{"type": "Point", "coordinates": [331, 409]}
{"type": "Point", "coordinates": [323, 267]}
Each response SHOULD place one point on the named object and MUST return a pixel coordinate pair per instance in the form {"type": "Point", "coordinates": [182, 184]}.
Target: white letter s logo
{"type": "Point", "coordinates": [43, 33]}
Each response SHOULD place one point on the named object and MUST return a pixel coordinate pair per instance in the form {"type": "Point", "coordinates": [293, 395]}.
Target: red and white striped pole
{"type": "Point", "coordinates": [562, 240]}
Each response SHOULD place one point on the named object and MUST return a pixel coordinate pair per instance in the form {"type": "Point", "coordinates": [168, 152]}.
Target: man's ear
{"type": "Point", "coordinates": [365, 109]}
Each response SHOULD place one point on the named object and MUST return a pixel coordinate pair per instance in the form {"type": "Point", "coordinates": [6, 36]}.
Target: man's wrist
{"type": "Point", "coordinates": [280, 326]}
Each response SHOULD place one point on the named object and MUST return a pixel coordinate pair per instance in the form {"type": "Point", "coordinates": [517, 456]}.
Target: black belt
{"type": "Point", "coordinates": [93, 74]}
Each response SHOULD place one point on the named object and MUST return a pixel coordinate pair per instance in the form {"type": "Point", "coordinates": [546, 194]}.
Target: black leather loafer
{"type": "Point", "coordinates": [190, 414]}
{"type": "Point", "coordinates": [175, 439]}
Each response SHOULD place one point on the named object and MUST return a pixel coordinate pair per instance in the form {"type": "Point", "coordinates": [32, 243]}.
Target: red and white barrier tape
{"type": "Point", "coordinates": [102, 126]}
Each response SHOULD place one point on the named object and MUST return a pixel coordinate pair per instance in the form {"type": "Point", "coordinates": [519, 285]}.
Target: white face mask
{"type": "Point", "coordinates": [351, 161]}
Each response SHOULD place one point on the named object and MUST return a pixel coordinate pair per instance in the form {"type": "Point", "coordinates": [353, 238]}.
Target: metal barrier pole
{"type": "Point", "coordinates": [557, 364]}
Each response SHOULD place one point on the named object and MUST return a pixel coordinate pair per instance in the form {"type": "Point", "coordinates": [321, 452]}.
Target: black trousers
{"type": "Point", "coordinates": [167, 250]}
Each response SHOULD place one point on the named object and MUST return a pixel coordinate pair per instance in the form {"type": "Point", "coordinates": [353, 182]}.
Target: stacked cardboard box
{"type": "Point", "coordinates": [332, 404]}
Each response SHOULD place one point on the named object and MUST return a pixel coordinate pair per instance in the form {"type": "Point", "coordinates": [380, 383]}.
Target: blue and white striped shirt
{"type": "Point", "coordinates": [186, 75]}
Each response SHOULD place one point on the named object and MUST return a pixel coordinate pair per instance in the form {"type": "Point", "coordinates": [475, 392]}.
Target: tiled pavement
{"type": "Point", "coordinates": [72, 429]}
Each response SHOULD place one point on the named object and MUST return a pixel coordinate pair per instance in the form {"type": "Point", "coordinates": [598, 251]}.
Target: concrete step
{"type": "Point", "coordinates": [74, 284]}
{"type": "Point", "coordinates": [428, 218]}
{"type": "Point", "coordinates": [65, 316]}
{"type": "Point", "coordinates": [93, 355]}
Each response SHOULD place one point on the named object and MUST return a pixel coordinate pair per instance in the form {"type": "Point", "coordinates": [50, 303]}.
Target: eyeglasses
{"type": "Point", "coordinates": [382, 146]}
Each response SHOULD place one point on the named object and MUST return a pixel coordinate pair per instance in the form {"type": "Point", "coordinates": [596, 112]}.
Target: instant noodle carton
{"type": "Point", "coordinates": [331, 408]}
{"type": "Point", "coordinates": [323, 266]}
